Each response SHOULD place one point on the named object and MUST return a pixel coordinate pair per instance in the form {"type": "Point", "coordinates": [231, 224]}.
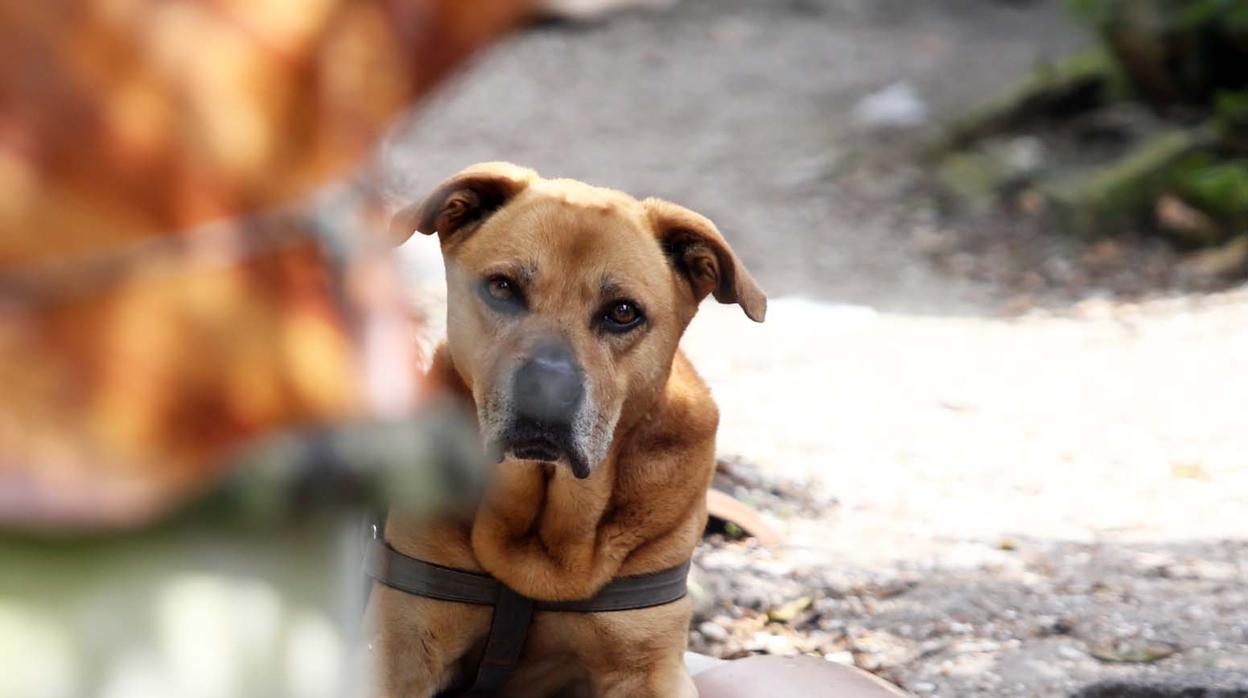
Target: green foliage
{"type": "Point", "coordinates": [1210, 11]}
{"type": "Point", "coordinates": [1176, 14]}
{"type": "Point", "coordinates": [1183, 67]}
{"type": "Point", "coordinates": [1217, 187]}
{"type": "Point", "coordinates": [1231, 110]}
{"type": "Point", "coordinates": [1174, 51]}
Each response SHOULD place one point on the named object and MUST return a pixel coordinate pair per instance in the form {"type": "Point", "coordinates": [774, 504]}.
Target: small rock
{"type": "Point", "coordinates": [924, 687]}
{"type": "Point", "coordinates": [1132, 651]}
{"type": "Point", "coordinates": [1104, 254]}
{"type": "Point", "coordinates": [780, 645]}
{"type": "Point", "coordinates": [789, 611]}
{"type": "Point", "coordinates": [704, 601]}
{"type": "Point", "coordinates": [1069, 652]}
{"type": "Point", "coordinates": [975, 646]}
{"type": "Point", "coordinates": [1185, 222]}
{"type": "Point", "coordinates": [842, 657]}
{"type": "Point", "coordinates": [897, 106]}
{"type": "Point", "coordinates": [1024, 155]}
{"type": "Point", "coordinates": [713, 631]}
{"type": "Point", "coordinates": [757, 642]}
{"type": "Point", "coordinates": [1219, 262]}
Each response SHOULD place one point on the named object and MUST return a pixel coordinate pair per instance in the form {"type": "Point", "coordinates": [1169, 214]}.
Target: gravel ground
{"type": "Point", "coordinates": [1081, 472]}
{"type": "Point", "coordinates": [1023, 487]}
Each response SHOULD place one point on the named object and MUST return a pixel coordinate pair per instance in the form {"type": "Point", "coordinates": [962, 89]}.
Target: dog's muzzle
{"type": "Point", "coordinates": [547, 392]}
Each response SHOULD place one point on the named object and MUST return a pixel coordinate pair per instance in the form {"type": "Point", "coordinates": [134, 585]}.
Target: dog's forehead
{"type": "Point", "coordinates": [567, 225]}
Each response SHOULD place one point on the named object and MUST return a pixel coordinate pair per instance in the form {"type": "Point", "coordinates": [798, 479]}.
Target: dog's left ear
{"type": "Point", "coordinates": [460, 204]}
{"type": "Point", "coordinates": [702, 255]}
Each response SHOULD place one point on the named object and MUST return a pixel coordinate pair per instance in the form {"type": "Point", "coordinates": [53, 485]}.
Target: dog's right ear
{"type": "Point", "coordinates": [700, 253]}
{"type": "Point", "coordinates": [460, 204]}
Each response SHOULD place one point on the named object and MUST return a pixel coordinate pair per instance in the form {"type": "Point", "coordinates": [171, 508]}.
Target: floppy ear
{"type": "Point", "coordinates": [461, 203]}
{"type": "Point", "coordinates": [699, 252]}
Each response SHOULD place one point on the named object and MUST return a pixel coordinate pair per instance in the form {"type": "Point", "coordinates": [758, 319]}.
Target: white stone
{"type": "Point", "coordinates": [896, 106]}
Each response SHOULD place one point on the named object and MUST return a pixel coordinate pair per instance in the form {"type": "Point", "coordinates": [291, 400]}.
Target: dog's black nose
{"type": "Point", "coordinates": [548, 386]}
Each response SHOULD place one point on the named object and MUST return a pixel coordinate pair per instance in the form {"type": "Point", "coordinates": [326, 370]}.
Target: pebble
{"type": "Point", "coordinates": [842, 657]}
{"type": "Point", "coordinates": [780, 645]}
{"type": "Point", "coordinates": [1069, 652]}
{"type": "Point", "coordinates": [713, 631]}
{"type": "Point", "coordinates": [896, 106]}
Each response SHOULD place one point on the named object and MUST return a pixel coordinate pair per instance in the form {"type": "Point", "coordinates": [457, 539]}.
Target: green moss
{"type": "Point", "coordinates": [1175, 14]}
{"type": "Point", "coordinates": [973, 177]}
{"type": "Point", "coordinates": [1230, 108]}
{"type": "Point", "coordinates": [1106, 200]}
{"type": "Point", "coordinates": [1217, 187]}
{"type": "Point", "coordinates": [1076, 84]}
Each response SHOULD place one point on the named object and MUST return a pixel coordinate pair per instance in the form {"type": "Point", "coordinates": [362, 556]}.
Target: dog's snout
{"type": "Point", "coordinates": [548, 386]}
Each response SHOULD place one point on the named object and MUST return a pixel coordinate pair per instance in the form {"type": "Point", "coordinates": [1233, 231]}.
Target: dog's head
{"type": "Point", "coordinates": [566, 303]}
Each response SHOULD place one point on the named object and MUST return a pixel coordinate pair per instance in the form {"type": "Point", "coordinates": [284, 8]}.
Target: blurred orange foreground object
{"type": "Point", "coordinates": [133, 357]}
{"type": "Point", "coordinates": [127, 118]}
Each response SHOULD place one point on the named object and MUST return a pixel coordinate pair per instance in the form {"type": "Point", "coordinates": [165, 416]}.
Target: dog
{"type": "Point", "coordinates": [565, 307]}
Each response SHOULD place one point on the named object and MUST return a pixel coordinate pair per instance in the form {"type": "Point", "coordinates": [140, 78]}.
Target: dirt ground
{"type": "Point", "coordinates": [1003, 495]}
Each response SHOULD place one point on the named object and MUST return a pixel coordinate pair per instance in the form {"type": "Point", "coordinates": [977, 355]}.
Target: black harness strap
{"type": "Point", "coordinates": [394, 569]}
{"type": "Point", "coordinates": [509, 626]}
{"type": "Point", "coordinates": [508, 630]}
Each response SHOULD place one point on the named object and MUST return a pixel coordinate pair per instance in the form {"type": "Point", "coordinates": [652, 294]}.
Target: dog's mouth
{"type": "Point", "coordinates": [537, 449]}
{"type": "Point", "coordinates": [524, 444]}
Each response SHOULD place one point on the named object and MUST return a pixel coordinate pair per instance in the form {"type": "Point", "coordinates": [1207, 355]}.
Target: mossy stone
{"type": "Point", "coordinates": [1216, 187]}
{"type": "Point", "coordinates": [1106, 200]}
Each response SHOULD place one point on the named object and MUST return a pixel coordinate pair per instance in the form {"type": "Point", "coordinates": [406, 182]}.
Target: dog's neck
{"type": "Point", "coordinates": [542, 525]}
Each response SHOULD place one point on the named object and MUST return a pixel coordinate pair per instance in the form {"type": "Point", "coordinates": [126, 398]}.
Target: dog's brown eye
{"type": "Point", "coordinates": [501, 288]}
{"type": "Point", "coordinates": [623, 313]}
{"type": "Point", "coordinates": [621, 316]}
{"type": "Point", "coordinates": [502, 294]}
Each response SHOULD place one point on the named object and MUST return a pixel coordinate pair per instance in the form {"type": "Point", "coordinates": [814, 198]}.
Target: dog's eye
{"type": "Point", "coordinates": [621, 316]}
{"type": "Point", "coordinates": [502, 294]}
{"type": "Point", "coordinates": [623, 313]}
{"type": "Point", "coordinates": [501, 288]}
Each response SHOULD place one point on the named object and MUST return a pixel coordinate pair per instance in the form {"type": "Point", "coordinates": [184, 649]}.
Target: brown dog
{"type": "Point", "coordinates": [566, 304]}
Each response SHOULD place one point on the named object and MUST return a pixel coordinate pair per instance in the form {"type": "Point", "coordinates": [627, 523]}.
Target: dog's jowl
{"type": "Point", "coordinates": [566, 304]}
